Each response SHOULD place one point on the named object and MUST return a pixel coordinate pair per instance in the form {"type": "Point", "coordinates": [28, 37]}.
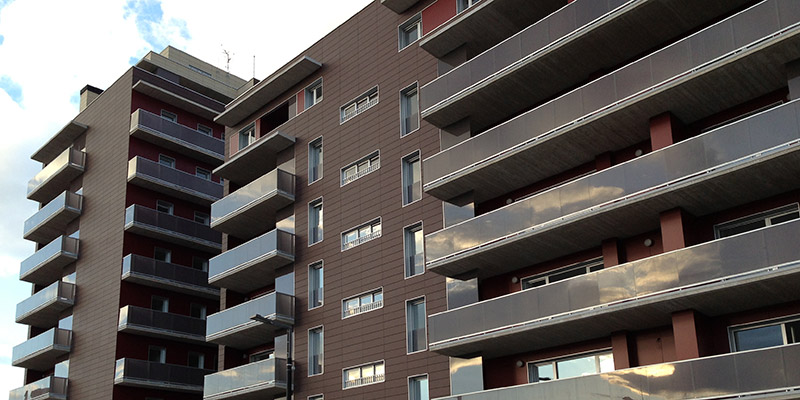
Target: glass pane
{"type": "Point", "coordinates": [733, 230]}
{"type": "Point", "coordinates": [532, 283]}
{"type": "Point", "coordinates": [379, 369]}
{"type": "Point", "coordinates": [366, 299]}
{"type": "Point", "coordinates": [378, 296]}
{"type": "Point", "coordinates": [541, 372]}
{"type": "Point", "coordinates": [784, 218]}
{"type": "Point", "coordinates": [758, 338]}
{"type": "Point", "coordinates": [353, 374]}
{"type": "Point", "coordinates": [352, 303]}
{"type": "Point", "coordinates": [567, 274]}
{"type": "Point", "coordinates": [367, 370]}
{"type": "Point", "coordinates": [576, 367]}
{"type": "Point", "coordinates": [606, 362]}
{"type": "Point", "coordinates": [793, 332]}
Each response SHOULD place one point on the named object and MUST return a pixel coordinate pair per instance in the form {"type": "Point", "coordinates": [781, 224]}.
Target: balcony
{"type": "Point", "coordinates": [725, 59]}
{"type": "Point", "coordinates": [756, 374]}
{"type": "Point", "coordinates": [550, 56]}
{"type": "Point", "coordinates": [51, 220]}
{"type": "Point", "coordinates": [233, 327]}
{"type": "Point", "coordinates": [742, 272]}
{"type": "Point", "coordinates": [56, 176]}
{"type": "Point", "coordinates": [246, 165]}
{"type": "Point", "coordinates": [153, 323]}
{"type": "Point", "coordinates": [60, 141]}
{"type": "Point", "coordinates": [42, 309]}
{"type": "Point", "coordinates": [163, 275]}
{"type": "Point", "coordinates": [173, 182]}
{"type": "Point", "coordinates": [170, 228]}
{"type": "Point", "coordinates": [41, 352]}
{"type": "Point", "coordinates": [153, 375]}
{"type": "Point", "coordinates": [45, 266]}
{"type": "Point", "coordinates": [251, 209]}
{"type": "Point", "coordinates": [254, 381]}
{"type": "Point", "coordinates": [398, 6]}
{"type": "Point", "coordinates": [251, 265]}
{"type": "Point", "coordinates": [172, 93]}
{"type": "Point", "coordinates": [176, 137]}
{"type": "Point", "coordinates": [50, 388]}
{"type": "Point", "coordinates": [739, 163]}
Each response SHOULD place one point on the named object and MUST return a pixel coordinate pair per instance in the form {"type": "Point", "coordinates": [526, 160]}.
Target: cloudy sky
{"type": "Point", "coordinates": [50, 49]}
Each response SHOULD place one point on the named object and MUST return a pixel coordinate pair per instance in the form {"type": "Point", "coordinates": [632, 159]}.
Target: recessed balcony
{"type": "Point", "coordinates": [724, 276]}
{"type": "Point", "coordinates": [249, 210]}
{"type": "Point", "coordinates": [42, 309]}
{"type": "Point", "coordinates": [246, 165]}
{"type": "Point", "coordinates": [41, 352]}
{"type": "Point", "coordinates": [742, 162]}
{"type": "Point", "coordinates": [173, 182]}
{"type": "Point", "coordinates": [170, 228]}
{"type": "Point", "coordinates": [153, 375]}
{"type": "Point", "coordinates": [163, 275]}
{"type": "Point", "coordinates": [153, 323]}
{"type": "Point", "coordinates": [233, 327]}
{"type": "Point", "coordinates": [769, 373]}
{"type": "Point", "coordinates": [258, 380]}
{"type": "Point", "coordinates": [706, 73]}
{"type": "Point", "coordinates": [51, 220]}
{"type": "Point", "coordinates": [49, 388]}
{"type": "Point", "coordinates": [55, 177]}
{"type": "Point", "coordinates": [176, 137]}
{"type": "Point", "coordinates": [248, 266]}
{"type": "Point", "coordinates": [46, 265]}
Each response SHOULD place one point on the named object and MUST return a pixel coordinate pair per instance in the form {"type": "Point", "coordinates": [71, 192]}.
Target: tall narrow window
{"type": "Point", "coordinates": [414, 254]}
{"type": "Point", "coordinates": [315, 160]}
{"type": "Point", "coordinates": [315, 354]}
{"type": "Point", "coordinates": [409, 31]}
{"type": "Point", "coordinates": [418, 387]}
{"type": "Point", "coordinates": [157, 354]}
{"type": "Point", "coordinates": [409, 110]}
{"type": "Point", "coordinates": [315, 221]}
{"type": "Point", "coordinates": [313, 94]}
{"type": "Point", "coordinates": [315, 285]}
{"type": "Point", "coordinates": [412, 178]}
{"type": "Point", "coordinates": [247, 136]}
{"type": "Point", "coordinates": [415, 325]}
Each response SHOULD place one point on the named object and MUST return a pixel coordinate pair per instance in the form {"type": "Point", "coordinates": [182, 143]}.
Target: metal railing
{"type": "Point", "coordinates": [153, 171]}
{"type": "Point", "coordinates": [57, 292]}
{"type": "Point", "coordinates": [50, 387]}
{"type": "Point", "coordinates": [66, 201]}
{"type": "Point", "coordinates": [249, 377]}
{"type": "Point", "coordinates": [62, 245]}
{"type": "Point", "coordinates": [156, 125]}
{"type": "Point", "coordinates": [58, 339]}
{"type": "Point", "coordinates": [132, 316]}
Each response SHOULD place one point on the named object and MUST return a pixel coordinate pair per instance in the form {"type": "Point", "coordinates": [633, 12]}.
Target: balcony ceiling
{"type": "Point", "coordinates": [60, 141]}
{"type": "Point", "coordinates": [249, 164]}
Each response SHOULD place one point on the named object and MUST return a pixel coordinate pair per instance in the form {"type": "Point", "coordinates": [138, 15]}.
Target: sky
{"type": "Point", "coordinates": [43, 66]}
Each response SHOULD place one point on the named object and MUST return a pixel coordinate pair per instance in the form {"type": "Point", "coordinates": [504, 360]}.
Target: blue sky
{"type": "Point", "coordinates": [41, 74]}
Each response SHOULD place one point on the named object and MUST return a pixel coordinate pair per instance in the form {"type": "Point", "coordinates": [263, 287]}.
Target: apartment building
{"type": "Point", "coordinates": [119, 277]}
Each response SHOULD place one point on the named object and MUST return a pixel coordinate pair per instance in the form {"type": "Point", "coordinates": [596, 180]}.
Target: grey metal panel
{"type": "Point", "coordinates": [782, 129]}
{"type": "Point", "coordinates": [670, 60]}
{"type": "Point", "coordinates": [735, 143]}
{"type": "Point", "coordinates": [719, 381]}
{"type": "Point", "coordinates": [712, 43]}
{"type": "Point", "coordinates": [633, 78]}
{"type": "Point", "coordinates": [791, 365]}
{"type": "Point", "coordinates": [570, 107]}
{"type": "Point", "coordinates": [617, 283]}
{"type": "Point", "coordinates": [775, 237]}
{"type": "Point", "coordinates": [583, 292]}
{"type": "Point", "coordinates": [553, 299]}
{"type": "Point", "coordinates": [600, 94]}
{"type": "Point", "coordinates": [689, 159]}
{"type": "Point", "coordinates": [760, 370]}
{"type": "Point", "coordinates": [672, 381]}
{"type": "Point", "coordinates": [561, 23]}
{"type": "Point", "coordinates": [762, 21]}
{"type": "Point", "coordinates": [743, 256]}
{"type": "Point", "coordinates": [507, 52]}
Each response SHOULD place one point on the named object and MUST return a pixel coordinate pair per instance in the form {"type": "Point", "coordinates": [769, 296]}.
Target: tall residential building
{"type": "Point", "coordinates": [120, 272]}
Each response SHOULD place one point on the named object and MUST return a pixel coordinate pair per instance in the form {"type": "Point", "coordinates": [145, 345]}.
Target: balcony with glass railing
{"type": "Point", "coordinates": [250, 265]}
{"type": "Point", "coordinates": [51, 220]}
{"type": "Point", "coordinates": [41, 352]}
{"type": "Point", "coordinates": [173, 182]}
{"type": "Point", "coordinates": [49, 388]}
{"type": "Point", "coordinates": [55, 177]}
{"type": "Point", "coordinates": [153, 375]}
{"type": "Point", "coordinates": [742, 162]}
{"type": "Point", "coordinates": [233, 327]}
{"type": "Point", "coordinates": [247, 211]}
{"type": "Point", "coordinates": [176, 137]}
{"type": "Point", "coordinates": [163, 275]}
{"type": "Point", "coordinates": [46, 265]}
{"type": "Point", "coordinates": [154, 323]}
{"type": "Point", "coordinates": [42, 309]}
{"type": "Point", "coordinates": [148, 222]}
{"type": "Point", "coordinates": [257, 380]}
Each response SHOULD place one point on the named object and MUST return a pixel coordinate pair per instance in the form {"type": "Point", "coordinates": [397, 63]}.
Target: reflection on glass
{"type": "Point", "coordinates": [571, 367]}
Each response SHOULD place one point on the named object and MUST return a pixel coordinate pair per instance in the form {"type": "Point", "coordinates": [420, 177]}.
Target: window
{"type": "Point", "coordinates": [205, 130]}
{"type": "Point", "coordinates": [201, 218]}
{"type": "Point", "coordinates": [197, 360]}
{"type": "Point", "coordinates": [315, 354]}
{"type": "Point", "coordinates": [363, 375]}
{"type": "Point", "coordinates": [412, 178]}
{"type": "Point", "coordinates": [313, 93]}
{"type": "Point", "coordinates": [159, 303]}
{"type": "Point", "coordinates": [315, 285]}
{"type": "Point", "coordinates": [416, 339]}
{"type": "Point", "coordinates": [410, 31]}
{"type": "Point", "coordinates": [157, 354]}
{"type": "Point", "coordinates": [409, 110]}
{"type": "Point", "coordinates": [169, 116]}
{"type": "Point", "coordinates": [202, 173]}
{"type": "Point", "coordinates": [262, 355]}
{"type": "Point", "coordinates": [358, 105]}
{"type": "Point", "coordinates": [418, 387]}
{"type": "Point", "coordinates": [315, 222]}
{"type": "Point", "coordinates": [315, 160]}
{"type": "Point", "coordinates": [197, 310]}
{"type": "Point", "coordinates": [580, 268]}
{"type": "Point", "coordinates": [569, 367]}
{"type": "Point", "coordinates": [362, 303]}
{"type": "Point", "coordinates": [247, 136]}
{"type": "Point", "coordinates": [161, 254]}
{"type": "Point", "coordinates": [756, 221]}
{"type": "Point", "coordinates": [166, 161]}
{"type": "Point", "coordinates": [465, 4]}
{"type": "Point", "coordinates": [762, 335]}
{"type": "Point", "coordinates": [413, 239]}
{"type": "Point", "coordinates": [164, 207]}
{"type": "Point", "coordinates": [200, 263]}
{"type": "Point", "coordinates": [316, 397]}
{"type": "Point", "coordinates": [361, 167]}
{"type": "Point", "coordinates": [361, 234]}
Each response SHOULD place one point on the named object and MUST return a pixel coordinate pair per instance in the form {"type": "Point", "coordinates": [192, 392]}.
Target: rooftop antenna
{"type": "Point", "coordinates": [254, 65]}
{"type": "Point", "coordinates": [228, 56]}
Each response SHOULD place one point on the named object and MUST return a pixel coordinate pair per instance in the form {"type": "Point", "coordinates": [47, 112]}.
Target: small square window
{"type": "Point", "coordinates": [157, 354]}
{"type": "Point", "coordinates": [166, 161]}
{"type": "Point", "coordinates": [197, 310]}
{"type": "Point", "coordinates": [200, 263]}
{"type": "Point", "coordinates": [201, 218]}
{"type": "Point", "coordinates": [161, 254]}
{"type": "Point", "coordinates": [164, 207]}
{"type": "Point", "coordinates": [410, 31]}
{"type": "Point", "coordinates": [203, 173]}
{"type": "Point", "coordinates": [159, 303]}
{"type": "Point", "coordinates": [205, 130]}
{"type": "Point", "coordinates": [169, 116]}
{"type": "Point", "coordinates": [196, 360]}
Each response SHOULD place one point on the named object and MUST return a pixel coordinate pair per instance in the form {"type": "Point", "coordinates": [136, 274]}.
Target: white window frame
{"type": "Point", "coordinates": [165, 204]}
{"type": "Point", "coordinates": [404, 94]}
{"type": "Point", "coordinates": [310, 98]}
{"type": "Point", "coordinates": [364, 166]}
{"type": "Point", "coordinates": [312, 204]}
{"type": "Point", "coordinates": [767, 216]}
{"type": "Point", "coordinates": [588, 265]}
{"type": "Point", "coordinates": [463, 5]}
{"type": "Point", "coordinates": [167, 252]}
{"type": "Point", "coordinates": [250, 132]}
{"type": "Point", "coordinates": [359, 104]}
{"type": "Point", "coordinates": [761, 324]}
{"type": "Point", "coordinates": [322, 350]}
{"type": "Point", "coordinates": [200, 357]}
{"type": "Point", "coordinates": [167, 161]}
{"type": "Point", "coordinates": [414, 22]}
{"type": "Point", "coordinates": [202, 218]}
{"type": "Point", "coordinates": [313, 266]}
{"type": "Point", "coordinates": [202, 173]}
{"type": "Point", "coordinates": [203, 262]}
{"type": "Point", "coordinates": [376, 378]}
{"type": "Point", "coordinates": [424, 324]}
{"type": "Point", "coordinates": [205, 130]}
{"type": "Point", "coordinates": [361, 239]}
{"type": "Point", "coordinates": [417, 226]}
{"type": "Point", "coordinates": [169, 116]}
{"type": "Point", "coordinates": [162, 354]}
{"type": "Point", "coordinates": [164, 302]}
{"type": "Point", "coordinates": [410, 378]}
{"type": "Point", "coordinates": [365, 307]}
{"type": "Point", "coordinates": [554, 361]}
{"type": "Point", "coordinates": [314, 144]}
{"type": "Point", "coordinates": [405, 164]}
